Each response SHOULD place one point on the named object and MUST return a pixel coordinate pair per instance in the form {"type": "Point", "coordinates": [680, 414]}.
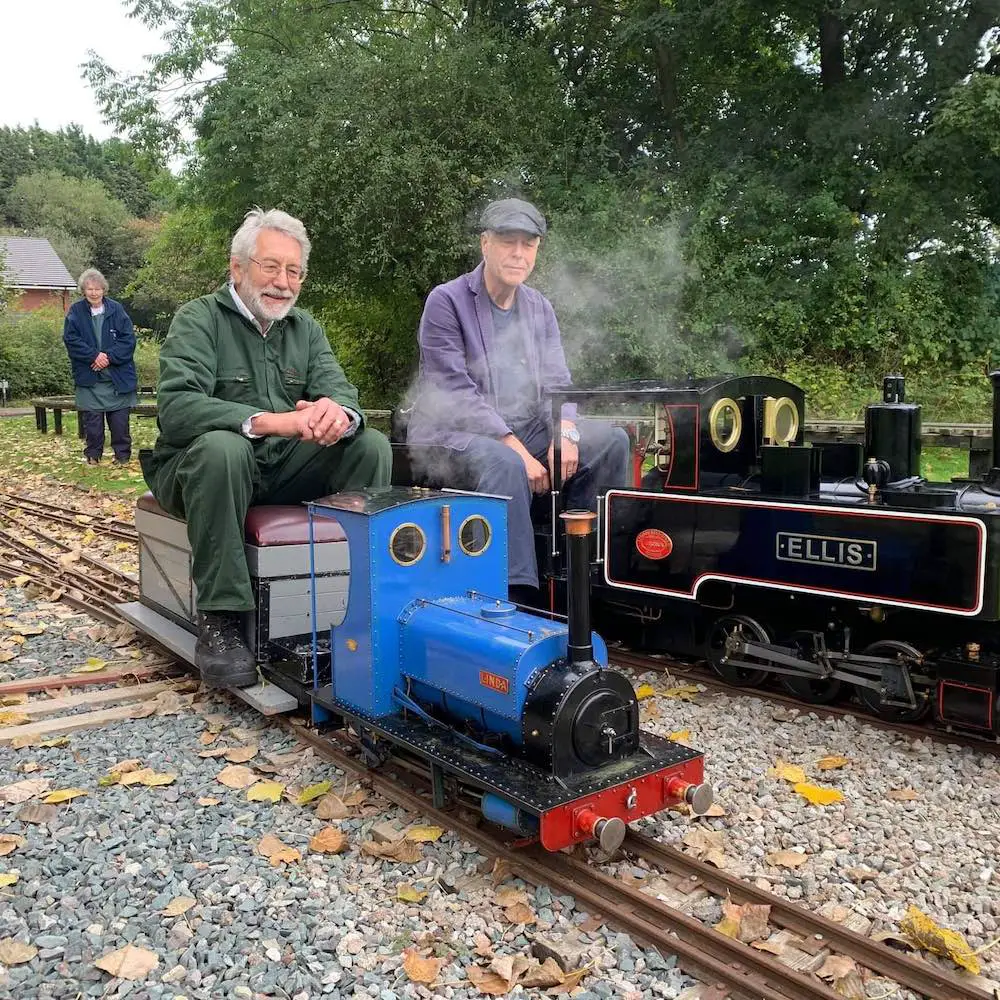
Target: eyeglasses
{"type": "Point", "coordinates": [271, 269]}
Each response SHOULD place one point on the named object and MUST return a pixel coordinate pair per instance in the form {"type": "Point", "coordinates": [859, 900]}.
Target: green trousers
{"type": "Point", "coordinates": [220, 475]}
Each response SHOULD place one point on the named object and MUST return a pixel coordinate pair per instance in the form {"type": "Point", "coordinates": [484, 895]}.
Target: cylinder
{"type": "Point", "coordinates": [892, 431]}
{"type": "Point", "coordinates": [579, 527]}
{"type": "Point", "coordinates": [995, 378]}
{"type": "Point", "coordinates": [504, 813]}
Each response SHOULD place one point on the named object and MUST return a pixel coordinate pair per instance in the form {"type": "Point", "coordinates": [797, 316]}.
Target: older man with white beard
{"type": "Point", "coordinates": [253, 409]}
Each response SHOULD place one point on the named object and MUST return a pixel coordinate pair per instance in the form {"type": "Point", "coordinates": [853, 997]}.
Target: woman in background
{"type": "Point", "coordinates": [100, 341]}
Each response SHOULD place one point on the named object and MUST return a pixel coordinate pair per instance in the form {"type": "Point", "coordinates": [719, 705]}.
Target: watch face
{"type": "Point", "coordinates": [571, 434]}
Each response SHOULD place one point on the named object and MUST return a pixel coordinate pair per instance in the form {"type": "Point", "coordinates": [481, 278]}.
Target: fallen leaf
{"type": "Point", "coordinates": [6, 655]}
{"type": "Point", "coordinates": [680, 735]}
{"type": "Point", "coordinates": [331, 807]}
{"type": "Point", "coordinates": [329, 840]}
{"type": "Point", "coordinates": [158, 778]}
{"type": "Point", "coordinates": [8, 878]}
{"type": "Point", "coordinates": [508, 895]}
{"type": "Point", "coordinates": [21, 791]}
{"type": "Point", "coordinates": [54, 741]}
{"type": "Point", "coordinates": [207, 738]}
{"type": "Point", "coordinates": [903, 794]}
{"type": "Point", "coordinates": [129, 962]}
{"type": "Point", "coordinates": [29, 629]}
{"type": "Point", "coordinates": [312, 792]}
{"type": "Point", "coordinates": [240, 755]}
{"type": "Point", "coordinates": [399, 850]}
{"type": "Point", "coordinates": [520, 913]}
{"type": "Point", "coordinates": [14, 718]}
{"type": "Point", "coordinates": [746, 923]}
{"type": "Point", "coordinates": [685, 692]}
{"type": "Point", "coordinates": [276, 852]}
{"type": "Point", "coordinates": [484, 946]}
{"type": "Point", "coordinates": [644, 691]}
{"type": "Point", "coordinates": [236, 776]}
{"type": "Point", "coordinates": [926, 934]}
{"type": "Point", "coordinates": [786, 859]}
{"type": "Point", "coordinates": [421, 970]}
{"type": "Point", "coordinates": [35, 812]}
{"type": "Point", "coordinates": [215, 752]}
{"type": "Point", "coordinates": [787, 772]}
{"type": "Point", "coordinates": [424, 834]}
{"type": "Point", "coordinates": [216, 723]}
{"type": "Point", "coordinates": [14, 699]}
{"type": "Point", "coordinates": [861, 874]}
{"type": "Point", "coordinates": [544, 975]}
{"type": "Point", "coordinates": [487, 982]}
{"type": "Point", "coordinates": [405, 893]}
{"type": "Point", "coordinates": [845, 975]}
{"type": "Point", "coordinates": [708, 845]}
{"type": "Point", "coordinates": [776, 946]}
{"type": "Point", "coordinates": [266, 791]}
{"type": "Point", "coordinates": [715, 810]}
{"type": "Point", "coordinates": [91, 666]}
{"type": "Point", "coordinates": [10, 842]}
{"type": "Point", "coordinates": [207, 800]}
{"type": "Point", "coordinates": [831, 763]}
{"type": "Point", "coordinates": [817, 795]}
{"type": "Point", "coordinates": [178, 905]}
{"type": "Point", "coordinates": [14, 952]}
{"type": "Point", "coordinates": [63, 795]}
{"type": "Point", "coordinates": [356, 797]}
{"type": "Point", "coordinates": [570, 981]}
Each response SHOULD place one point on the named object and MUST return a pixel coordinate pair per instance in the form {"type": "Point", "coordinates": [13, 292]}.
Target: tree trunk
{"type": "Point", "coordinates": [831, 49]}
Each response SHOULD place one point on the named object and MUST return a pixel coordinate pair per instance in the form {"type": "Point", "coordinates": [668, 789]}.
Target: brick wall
{"type": "Point", "coordinates": [30, 299]}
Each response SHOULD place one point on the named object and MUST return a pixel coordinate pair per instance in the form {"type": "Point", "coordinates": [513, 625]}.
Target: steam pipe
{"type": "Point", "coordinates": [579, 526]}
{"type": "Point", "coordinates": [995, 379]}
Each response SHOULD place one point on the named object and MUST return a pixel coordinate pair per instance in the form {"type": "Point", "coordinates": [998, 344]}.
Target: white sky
{"type": "Point", "coordinates": [42, 46]}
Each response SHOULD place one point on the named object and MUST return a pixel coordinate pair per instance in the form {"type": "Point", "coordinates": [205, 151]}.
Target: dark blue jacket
{"type": "Point", "coordinates": [117, 342]}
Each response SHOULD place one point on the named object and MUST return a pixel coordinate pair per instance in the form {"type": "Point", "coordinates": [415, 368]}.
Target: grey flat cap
{"type": "Point", "coordinates": [513, 215]}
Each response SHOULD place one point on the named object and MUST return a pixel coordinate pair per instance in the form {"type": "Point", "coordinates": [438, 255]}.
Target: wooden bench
{"type": "Point", "coordinates": [57, 404]}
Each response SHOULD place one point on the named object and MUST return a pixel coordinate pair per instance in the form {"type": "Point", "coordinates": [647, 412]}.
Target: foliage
{"type": "Point", "coordinates": [188, 257]}
{"type": "Point", "coordinates": [82, 219]}
{"type": "Point", "coordinates": [32, 354]}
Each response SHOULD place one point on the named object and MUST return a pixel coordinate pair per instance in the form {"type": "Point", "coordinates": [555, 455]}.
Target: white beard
{"type": "Point", "coordinates": [265, 311]}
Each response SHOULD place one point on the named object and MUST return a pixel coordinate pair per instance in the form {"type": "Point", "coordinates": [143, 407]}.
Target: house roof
{"type": "Point", "coordinates": [30, 262]}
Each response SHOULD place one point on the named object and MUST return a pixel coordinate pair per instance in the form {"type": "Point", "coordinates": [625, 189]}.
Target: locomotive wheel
{"type": "Point", "coordinates": [816, 691]}
{"type": "Point", "coordinates": [870, 699]}
{"type": "Point", "coordinates": [715, 649]}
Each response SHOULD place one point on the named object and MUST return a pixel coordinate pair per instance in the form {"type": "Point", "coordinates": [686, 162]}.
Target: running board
{"type": "Point", "coordinates": [268, 699]}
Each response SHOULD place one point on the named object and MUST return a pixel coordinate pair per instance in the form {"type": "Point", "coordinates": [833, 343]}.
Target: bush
{"type": "Point", "coordinates": [147, 358]}
{"type": "Point", "coordinates": [32, 354]}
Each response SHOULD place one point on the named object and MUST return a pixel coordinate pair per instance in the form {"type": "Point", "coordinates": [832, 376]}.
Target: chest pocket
{"type": "Point", "coordinates": [235, 385]}
{"type": "Point", "coordinates": [295, 383]}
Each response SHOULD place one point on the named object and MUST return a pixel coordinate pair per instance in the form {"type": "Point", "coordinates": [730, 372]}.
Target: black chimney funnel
{"type": "Point", "coordinates": [579, 527]}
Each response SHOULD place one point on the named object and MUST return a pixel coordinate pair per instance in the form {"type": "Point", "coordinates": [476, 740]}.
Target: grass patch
{"type": "Point", "coordinates": [939, 465]}
{"type": "Point", "coordinates": [27, 455]}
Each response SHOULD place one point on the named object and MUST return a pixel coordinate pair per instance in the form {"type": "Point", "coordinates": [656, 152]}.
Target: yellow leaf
{"type": "Point", "coordinates": [19, 639]}
{"type": "Point", "coordinates": [680, 735]}
{"type": "Point", "coordinates": [21, 581]}
{"type": "Point", "coordinates": [266, 791]}
{"type": "Point", "coordinates": [63, 795]}
{"type": "Point", "coordinates": [55, 741]}
{"type": "Point", "coordinates": [13, 718]}
{"type": "Point", "coordinates": [138, 777]}
{"type": "Point", "coordinates": [686, 692]}
{"type": "Point", "coordinates": [818, 796]}
{"type": "Point", "coordinates": [926, 934]}
{"type": "Point", "coordinates": [405, 893]}
{"type": "Point", "coordinates": [313, 792]}
{"type": "Point", "coordinates": [832, 763]}
{"type": "Point", "coordinates": [29, 629]}
{"type": "Point", "coordinates": [329, 840]}
{"type": "Point", "coordinates": [155, 779]}
{"type": "Point", "coordinates": [787, 772]}
{"type": "Point", "coordinates": [424, 834]}
{"type": "Point", "coordinates": [644, 691]}
{"type": "Point", "coordinates": [8, 878]}
{"type": "Point", "coordinates": [14, 699]}
{"type": "Point", "coordinates": [90, 667]}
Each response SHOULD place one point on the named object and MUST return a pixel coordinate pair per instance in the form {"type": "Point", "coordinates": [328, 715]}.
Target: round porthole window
{"type": "Point", "coordinates": [474, 535]}
{"type": "Point", "coordinates": [407, 544]}
{"type": "Point", "coordinates": [784, 422]}
{"type": "Point", "coordinates": [725, 424]}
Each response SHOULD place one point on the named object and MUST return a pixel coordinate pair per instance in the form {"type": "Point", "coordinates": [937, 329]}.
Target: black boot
{"type": "Point", "coordinates": [221, 654]}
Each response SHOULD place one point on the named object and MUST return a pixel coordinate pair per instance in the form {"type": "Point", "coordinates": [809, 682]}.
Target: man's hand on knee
{"type": "Point", "coordinates": [538, 475]}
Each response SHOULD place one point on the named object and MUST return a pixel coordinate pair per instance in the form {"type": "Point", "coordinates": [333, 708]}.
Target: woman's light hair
{"type": "Point", "coordinates": [256, 221]}
{"type": "Point", "coordinates": [92, 277]}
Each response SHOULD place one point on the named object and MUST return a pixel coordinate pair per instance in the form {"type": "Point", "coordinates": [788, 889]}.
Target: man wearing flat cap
{"type": "Point", "coordinates": [489, 352]}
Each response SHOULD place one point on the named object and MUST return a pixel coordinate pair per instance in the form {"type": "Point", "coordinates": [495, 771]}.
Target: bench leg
{"type": "Point", "coordinates": [57, 420]}
{"type": "Point", "coordinates": [41, 419]}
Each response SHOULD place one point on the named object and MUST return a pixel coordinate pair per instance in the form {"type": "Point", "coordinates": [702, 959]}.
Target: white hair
{"type": "Point", "coordinates": [256, 221]}
{"type": "Point", "coordinates": [92, 277]}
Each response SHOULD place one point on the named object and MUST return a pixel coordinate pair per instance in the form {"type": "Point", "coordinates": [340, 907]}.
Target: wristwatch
{"type": "Point", "coordinates": [571, 434]}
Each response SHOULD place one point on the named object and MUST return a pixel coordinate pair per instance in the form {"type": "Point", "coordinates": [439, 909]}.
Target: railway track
{"type": "Point", "coordinates": [696, 673]}
{"type": "Point", "coordinates": [726, 965]}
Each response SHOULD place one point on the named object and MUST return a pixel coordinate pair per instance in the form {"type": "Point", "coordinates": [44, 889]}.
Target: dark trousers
{"type": "Point", "coordinates": [488, 466]}
{"type": "Point", "coordinates": [215, 480]}
{"type": "Point", "coordinates": [93, 429]}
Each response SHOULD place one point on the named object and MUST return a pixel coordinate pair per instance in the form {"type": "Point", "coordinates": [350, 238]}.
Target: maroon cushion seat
{"type": "Point", "coordinates": [277, 524]}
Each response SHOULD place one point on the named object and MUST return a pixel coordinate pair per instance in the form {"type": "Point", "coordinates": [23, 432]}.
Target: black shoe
{"type": "Point", "coordinates": [220, 653]}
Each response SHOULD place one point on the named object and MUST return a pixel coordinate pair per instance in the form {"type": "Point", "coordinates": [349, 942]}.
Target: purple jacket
{"type": "Point", "coordinates": [456, 395]}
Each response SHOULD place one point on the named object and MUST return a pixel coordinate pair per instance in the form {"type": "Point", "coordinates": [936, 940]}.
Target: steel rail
{"type": "Point", "coordinates": [701, 675]}
{"type": "Point", "coordinates": [904, 969]}
{"type": "Point", "coordinates": [96, 606]}
{"type": "Point", "coordinates": [119, 529]}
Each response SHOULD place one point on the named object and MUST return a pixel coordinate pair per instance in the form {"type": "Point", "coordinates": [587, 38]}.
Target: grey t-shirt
{"type": "Point", "coordinates": [517, 393]}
